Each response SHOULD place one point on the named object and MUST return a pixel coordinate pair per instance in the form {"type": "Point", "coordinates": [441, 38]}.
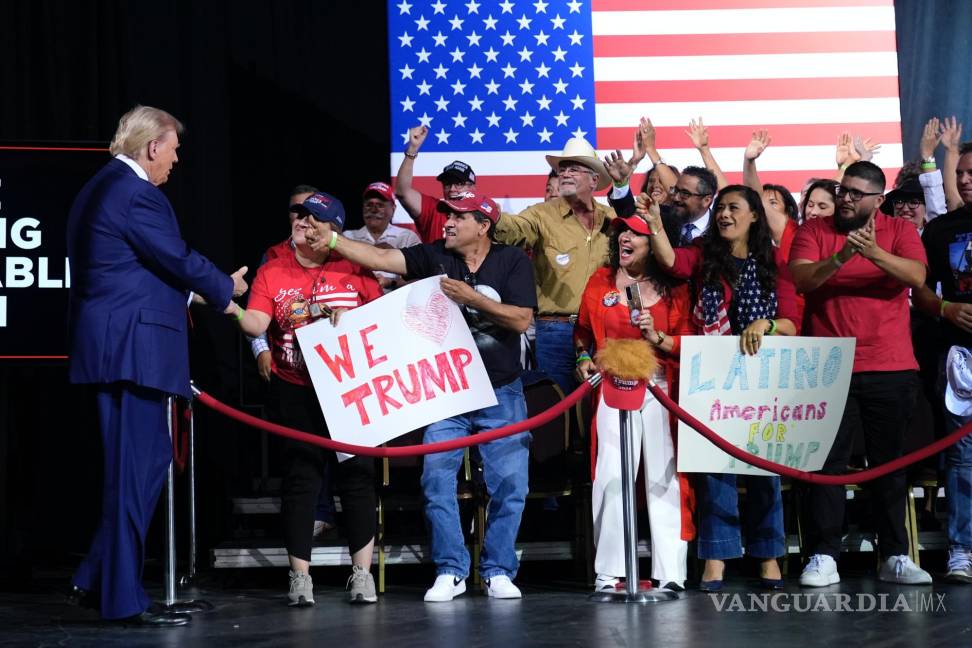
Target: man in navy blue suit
{"type": "Point", "coordinates": [131, 278]}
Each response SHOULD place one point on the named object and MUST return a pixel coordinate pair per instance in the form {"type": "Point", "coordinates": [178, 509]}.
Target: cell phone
{"type": "Point", "coordinates": [633, 293]}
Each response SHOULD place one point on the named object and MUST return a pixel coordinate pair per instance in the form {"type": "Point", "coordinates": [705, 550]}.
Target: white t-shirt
{"type": "Point", "coordinates": [393, 237]}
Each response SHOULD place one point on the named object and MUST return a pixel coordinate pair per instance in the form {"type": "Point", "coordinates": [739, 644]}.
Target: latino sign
{"type": "Point", "coordinates": [784, 404]}
{"type": "Point", "coordinates": [393, 365]}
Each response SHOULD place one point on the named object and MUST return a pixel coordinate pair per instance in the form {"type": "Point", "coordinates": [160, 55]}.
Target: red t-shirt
{"type": "Point", "coordinates": [283, 248]}
{"type": "Point", "coordinates": [860, 300]}
{"type": "Point", "coordinates": [284, 290]}
{"type": "Point", "coordinates": [431, 221]}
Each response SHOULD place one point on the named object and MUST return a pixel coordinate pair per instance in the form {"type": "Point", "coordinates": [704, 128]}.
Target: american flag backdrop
{"type": "Point", "coordinates": [501, 84]}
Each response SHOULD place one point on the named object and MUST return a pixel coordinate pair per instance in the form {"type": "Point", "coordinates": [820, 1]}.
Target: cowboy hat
{"type": "Point", "coordinates": [580, 151]}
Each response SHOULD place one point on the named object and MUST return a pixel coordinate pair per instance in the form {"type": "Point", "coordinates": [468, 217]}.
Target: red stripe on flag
{"type": "Point", "coordinates": [724, 44]}
{"type": "Point", "coordinates": [681, 5]}
{"type": "Point", "coordinates": [783, 135]}
{"type": "Point", "coordinates": [745, 89]}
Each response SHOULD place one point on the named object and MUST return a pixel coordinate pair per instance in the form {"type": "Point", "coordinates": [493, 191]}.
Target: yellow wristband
{"type": "Point", "coordinates": [239, 314]}
{"type": "Point", "coordinates": [941, 311]}
{"type": "Point", "coordinates": [333, 242]}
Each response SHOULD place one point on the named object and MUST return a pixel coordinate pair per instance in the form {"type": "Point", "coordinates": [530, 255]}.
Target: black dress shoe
{"type": "Point", "coordinates": [158, 619]}
{"type": "Point", "coordinates": [83, 598]}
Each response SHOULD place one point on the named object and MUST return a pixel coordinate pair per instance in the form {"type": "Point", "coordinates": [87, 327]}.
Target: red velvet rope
{"type": "Point", "coordinates": [814, 478]}
{"type": "Point", "coordinates": [399, 451]}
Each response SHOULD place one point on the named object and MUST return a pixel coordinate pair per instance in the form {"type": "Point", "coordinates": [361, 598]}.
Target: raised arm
{"type": "Point", "coordinates": [699, 135]}
{"type": "Point", "coordinates": [364, 254]}
{"type": "Point", "coordinates": [774, 216]}
{"type": "Point", "coordinates": [661, 247]}
{"type": "Point", "coordinates": [951, 139]}
{"type": "Point", "coordinates": [644, 145]}
{"type": "Point", "coordinates": [930, 178]}
{"type": "Point", "coordinates": [410, 198]}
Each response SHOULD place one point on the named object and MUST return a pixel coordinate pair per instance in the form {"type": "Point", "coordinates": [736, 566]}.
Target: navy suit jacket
{"type": "Point", "coordinates": [131, 274]}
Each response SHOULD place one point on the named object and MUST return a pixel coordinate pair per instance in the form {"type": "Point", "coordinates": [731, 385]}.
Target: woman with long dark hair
{"type": "Point", "coordinates": [742, 287]}
{"type": "Point", "coordinates": [606, 313]}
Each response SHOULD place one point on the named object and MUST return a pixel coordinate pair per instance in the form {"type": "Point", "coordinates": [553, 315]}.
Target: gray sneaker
{"type": "Point", "coordinates": [900, 569]}
{"type": "Point", "coordinates": [301, 590]}
{"type": "Point", "coordinates": [959, 566]}
{"type": "Point", "coordinates": [361, 586]}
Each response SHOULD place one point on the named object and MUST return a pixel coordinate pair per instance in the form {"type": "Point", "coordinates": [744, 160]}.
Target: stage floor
{"type": "Point", "coordinates": [880, 615]}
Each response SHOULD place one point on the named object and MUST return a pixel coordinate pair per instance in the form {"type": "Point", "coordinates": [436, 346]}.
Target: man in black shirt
{"type": "Point", "coordinates": [494, 287]}
{"type": "Point", "coordinates": [948, 240]}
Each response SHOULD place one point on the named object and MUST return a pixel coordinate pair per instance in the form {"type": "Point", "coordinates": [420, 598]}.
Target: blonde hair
{"type": "Point", "coordinates": [139, 126]}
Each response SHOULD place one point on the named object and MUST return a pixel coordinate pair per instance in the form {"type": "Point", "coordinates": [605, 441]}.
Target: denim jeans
{"type": "Point", "coordinates": [958, 476]}
{"type": "Point", "coordinates": [555, 352]}
{"type": "Point", "coordinates": [505, 469]}
{"type": "Point", "coordinates": [720, 535]}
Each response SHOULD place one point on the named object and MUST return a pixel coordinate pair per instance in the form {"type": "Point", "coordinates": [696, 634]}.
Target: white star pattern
{"type": "Point", "coordinates": [493, 60]}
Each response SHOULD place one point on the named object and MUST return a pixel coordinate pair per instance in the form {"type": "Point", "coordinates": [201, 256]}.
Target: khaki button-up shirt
{"type": "Point", "coordinates": [565, 253]}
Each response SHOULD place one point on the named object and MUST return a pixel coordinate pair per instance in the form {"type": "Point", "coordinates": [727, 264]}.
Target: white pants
{"type": "Point", "coordinates": [651, 431]}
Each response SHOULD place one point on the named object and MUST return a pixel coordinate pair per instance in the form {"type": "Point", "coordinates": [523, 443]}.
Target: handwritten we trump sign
{"type": "Point", "coordinates": [394, 365]}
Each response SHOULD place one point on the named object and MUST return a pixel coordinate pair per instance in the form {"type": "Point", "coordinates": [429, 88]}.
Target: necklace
{"type": "Point", "coordinates": [632, 278]}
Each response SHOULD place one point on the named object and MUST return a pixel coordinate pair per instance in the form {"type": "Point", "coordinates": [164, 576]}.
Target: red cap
{"type": "Point", "coordinates": [623, 393]}
{"type": "Point", "coordinates": [634, 223]}
{"type": "Point", "coordinates": [471, 201]}
{"type": "Point", "coordinates": [380, 188]}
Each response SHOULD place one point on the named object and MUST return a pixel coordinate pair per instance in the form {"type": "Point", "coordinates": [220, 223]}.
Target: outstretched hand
{"type": "Point", "coordinates": [617, 167]}
{"type": "Point", "coordinates": [239, 284]}
{"type": "Point", "coordinates": [757, 144]}
{"type": "Point", "coordinates": [698, 133]}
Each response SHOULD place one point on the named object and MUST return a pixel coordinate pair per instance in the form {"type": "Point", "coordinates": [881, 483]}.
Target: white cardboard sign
{"type": "Point", "coordinates": [783, 404]}
{"type": "Point", "coordinates": [393, 365]}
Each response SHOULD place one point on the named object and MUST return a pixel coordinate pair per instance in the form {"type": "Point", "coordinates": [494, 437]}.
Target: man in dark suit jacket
{"type": "Point", "coordinates": [131, 277]}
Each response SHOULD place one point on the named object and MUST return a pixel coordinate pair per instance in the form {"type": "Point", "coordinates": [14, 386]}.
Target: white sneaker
{"type": "Point", "coordinates": [900, 569]}
{"type": "Point", "coordinates": [821, 571]}
{"type": "Point", "coordinates": [606, 583]}
{"type": "Point", "coordinates": [301, 592]}
{"type": "Point", "coordinates": [445, 588]}
{"type": "Point", "coordinates": [502, 587]}
{"type": "Point", "coordinates": [959, 566]}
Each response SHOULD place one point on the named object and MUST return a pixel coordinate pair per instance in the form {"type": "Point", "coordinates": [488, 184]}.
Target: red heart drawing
{"type": "Point", "coordinates": [431, 321]}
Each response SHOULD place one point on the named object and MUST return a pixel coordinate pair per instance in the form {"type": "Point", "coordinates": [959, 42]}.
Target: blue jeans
{"type": "Point", "coordinates": [555, 352]}
{"type": "Point", "coordinates": [719, 525]}
{"type": "Point", "coordinates": [505, 469]}
{"type": "Point", "coordinates": [958, 484]}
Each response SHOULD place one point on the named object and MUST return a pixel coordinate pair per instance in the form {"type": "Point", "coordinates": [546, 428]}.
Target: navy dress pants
{"type": "Point", "coordinates": [137, 451]}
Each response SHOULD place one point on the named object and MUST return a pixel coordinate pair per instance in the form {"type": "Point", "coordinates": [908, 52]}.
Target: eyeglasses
{"type": "Point", "coordinates": [573, 169]}
{"type": "Point", "coordinates": [913, 203]}
{"type": "Point", "coordinates": [684, 194]}
{"type": "Point", "coordinates": [853, 194]}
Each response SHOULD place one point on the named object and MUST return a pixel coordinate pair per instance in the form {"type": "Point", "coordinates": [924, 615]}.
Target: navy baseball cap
{"type": "Point", "coordinates": [323, 207]}
{"type": "Point", "coordinates": [458, 170]}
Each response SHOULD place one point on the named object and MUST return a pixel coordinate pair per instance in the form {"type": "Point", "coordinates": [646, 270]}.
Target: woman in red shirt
{"type": "Point", "coordinates": [606, 314]}
{"type": "Point", "coordinates": [743, 287]}
{"type": "Point", "coordinates": [291, 291]}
